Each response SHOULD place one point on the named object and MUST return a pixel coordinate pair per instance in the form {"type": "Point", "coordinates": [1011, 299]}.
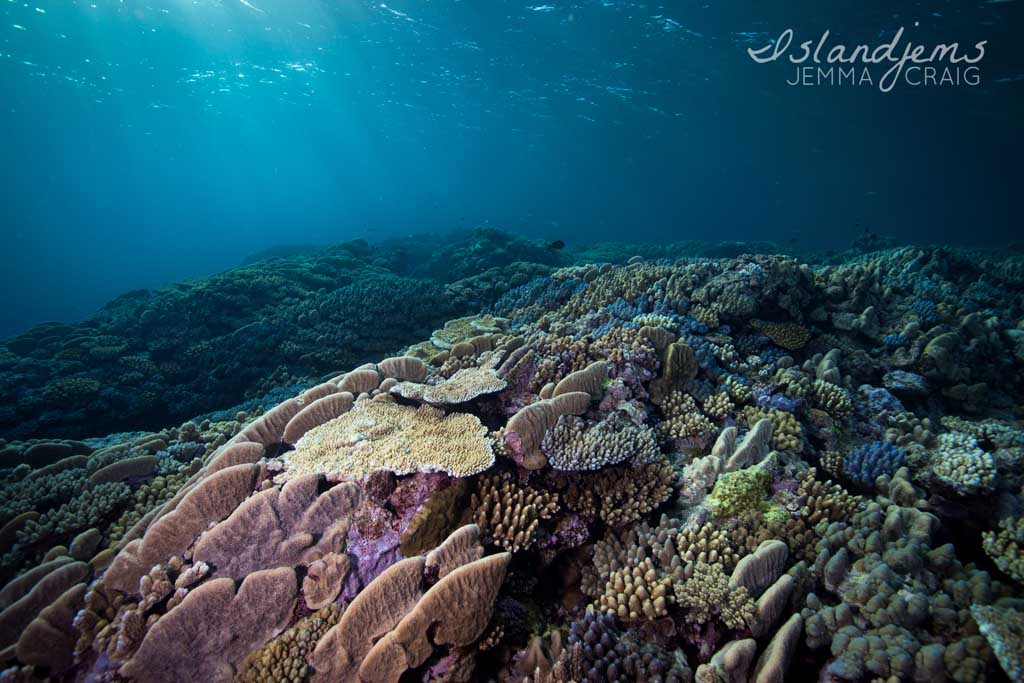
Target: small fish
{"type": "Point", "coordinates": [251, 6]}
{"type": "Point", "coordinates": [556, 245]}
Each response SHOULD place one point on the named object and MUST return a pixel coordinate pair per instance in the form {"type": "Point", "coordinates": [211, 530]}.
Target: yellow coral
{"type": "Point", "coordinates": [787, 434]}
{"type": "Point", "coordinates": [682, 418]}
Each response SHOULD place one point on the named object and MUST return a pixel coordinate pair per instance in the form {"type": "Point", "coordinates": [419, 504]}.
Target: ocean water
{"type": "Point", "coordinates": [146, 142]}
{"type": "Point", "coordinates": [454, 341]}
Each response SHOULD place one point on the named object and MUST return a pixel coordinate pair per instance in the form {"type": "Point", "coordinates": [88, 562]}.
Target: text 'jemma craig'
{"type": "Point", "coordinates": [943, 64]}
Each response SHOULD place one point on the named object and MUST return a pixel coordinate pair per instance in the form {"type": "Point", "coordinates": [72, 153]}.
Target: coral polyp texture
{"type": "Point", "coordinates": [380, 435]}
{"type": "Point", "coordinates": [556, 467]}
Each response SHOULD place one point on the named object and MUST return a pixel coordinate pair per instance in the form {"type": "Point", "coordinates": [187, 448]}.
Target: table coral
{"type": "Point", "coordinates": [379, 435]}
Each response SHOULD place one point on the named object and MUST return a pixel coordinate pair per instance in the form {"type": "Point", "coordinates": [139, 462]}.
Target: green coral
{"type": "Point", "coordinates": [776, 515]}
{"type": "Point", "coordinates": [737, 492]}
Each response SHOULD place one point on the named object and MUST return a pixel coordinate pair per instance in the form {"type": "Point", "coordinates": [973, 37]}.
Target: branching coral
{"type": "Point", "coordinates": [963, 466]}
{"type": "Point", "coordinates": [621, 495]}
{"type": "Point", "coordinates": [706, 595]}
{"type": "Point", "coordinates": [1006, 547]}
{"type": "Point", "coordinates": [570, 445]}
{"type": "Point", "coordinates": [509, 514]}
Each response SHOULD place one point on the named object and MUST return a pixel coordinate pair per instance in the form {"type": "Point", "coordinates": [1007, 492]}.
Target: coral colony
{"type": "Point", "coordinates": [542, 466]}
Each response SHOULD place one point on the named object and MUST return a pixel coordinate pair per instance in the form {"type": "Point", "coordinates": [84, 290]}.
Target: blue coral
{"type": "Point", "coordinates": [526, 303]}
{"type": "Point", "coordinates": [865, 464]}
{"type": "Point", "coordinates": [926, 310]}
{"type": "Point", "coordinates": [895, 340]}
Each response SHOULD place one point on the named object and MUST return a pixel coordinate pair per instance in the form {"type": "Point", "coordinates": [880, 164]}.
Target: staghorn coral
{"type": "Point", "coordinates": [831, 398]}
{"type": "Point", "coordinates": [636, 592]}
{"type": "Point", "coordinates": [598, 650]}
{"type": "Point", "coordinates": [380, 435]}
{"type": "Point", "coordinates": [865, 464]}
{"type": "Point", "coordinates": [718, 406]}
{"type": "Point", "coordinates": [814, 505]}
{"type": "Point", "coordinates": [683, 420]}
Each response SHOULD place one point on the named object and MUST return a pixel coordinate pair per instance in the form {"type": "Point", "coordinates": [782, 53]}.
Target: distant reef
{"type": "Point", "coordinates": [152, 357]}
{"type": "Point", "coordinates": [294, 315]}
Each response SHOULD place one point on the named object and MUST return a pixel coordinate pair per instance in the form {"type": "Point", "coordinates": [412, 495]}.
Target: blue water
{"type": "Point", "coordinates": [144, 142]}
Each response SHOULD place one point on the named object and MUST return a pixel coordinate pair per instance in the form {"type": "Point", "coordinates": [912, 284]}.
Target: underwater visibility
{"type": "Point", "coordinates": [441, 341]}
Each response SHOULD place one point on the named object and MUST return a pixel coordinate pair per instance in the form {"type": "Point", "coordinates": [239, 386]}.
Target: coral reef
{"type": "Point", "coordinates": [655, 467]}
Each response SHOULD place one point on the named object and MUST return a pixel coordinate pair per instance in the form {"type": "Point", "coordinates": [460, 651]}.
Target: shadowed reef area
{"type": "Point", "coordinates": [511, 462]}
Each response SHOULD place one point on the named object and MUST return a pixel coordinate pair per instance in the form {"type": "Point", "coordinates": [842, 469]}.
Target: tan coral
{"type": "Point", "coordinates": [324, 579]}
{"type": "Point", "coordinates": [509, 514]}
{"type": "Point", "coordinates": [378, 435]}
{"type": "Point", "coordinates": [449, 614]}
{"type": "Point", "coordinates": [283, 659]}
{"type": "Point", "coordinates": [403, 368]}
{"type": "Point", "coordinates": [359, 381]}
{"type": "Point", "coordinates": [215, 628]}
{"type": "Point", "coordinates": [462, 387]}
{"type": "Point", "coordinates": [637, 592]}
{"type": "Point", "coordinates": [525, 429]}
{"type": "Point", "coordinates": [395, 622]}
{"type": "Point", "coordinates": [589, 380]}
{"type": "Point", "coordinates": [316, 413]}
